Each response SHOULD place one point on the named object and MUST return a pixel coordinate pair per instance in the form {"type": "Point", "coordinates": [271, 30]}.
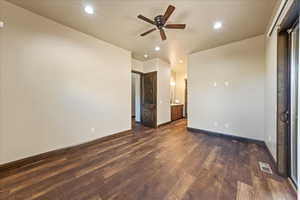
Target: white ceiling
{"type": "Point", "coordinates": [115, 21]}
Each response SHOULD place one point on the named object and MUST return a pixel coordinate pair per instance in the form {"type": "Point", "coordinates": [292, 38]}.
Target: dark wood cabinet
{"type": "Point", "coordinates": [176, 112]}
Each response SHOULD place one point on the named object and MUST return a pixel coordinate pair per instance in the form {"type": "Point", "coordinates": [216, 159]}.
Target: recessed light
{"type": "Point", "coordinates": [146, 55]}
{"type": "Point", "coordinates": [157, 48]}
{"type": "Point", "coordinates": [89, 10]}
{"type": "Point", "coordinates": [218, 25]}
{"type": "Point", "coordinates": [172, 83]}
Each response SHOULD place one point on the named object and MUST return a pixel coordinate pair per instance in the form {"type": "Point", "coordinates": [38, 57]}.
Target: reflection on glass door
{"type": "Point", "coordinates": [294, 74]}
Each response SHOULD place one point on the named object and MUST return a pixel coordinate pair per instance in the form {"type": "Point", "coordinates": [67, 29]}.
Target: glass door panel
{"type": "Point", "coordinates": [294, 87]}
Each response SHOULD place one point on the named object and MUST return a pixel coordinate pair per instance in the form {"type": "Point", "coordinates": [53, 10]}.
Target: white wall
{"type": "Point", "coordinates": [180, 87]}
{"type": "Point", "coordinates": [137, 65]}
{"type": "Point", "coordinates": [57, 84]}
{"type": "Point", "coordinates": [238, 108]}
{"type": "Point", "coordinates": [151, 65]}
{"type": "Point", "coordinates": [138, 98]}
{"type": "Point", "coordinates": [173, 87]}
{"type": "Point", "coordinates": [163, 93]}
{"type": "Point", "coordinates": [271, 94]}
{"type": "Point", "coordinates": [133, 94]}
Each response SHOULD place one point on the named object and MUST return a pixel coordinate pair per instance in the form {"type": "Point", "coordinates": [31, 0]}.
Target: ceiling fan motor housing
{"type": "Point", "coordinates": [159, 21]}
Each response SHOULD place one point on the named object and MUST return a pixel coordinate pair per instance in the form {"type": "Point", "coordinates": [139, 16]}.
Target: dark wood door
{"type": "Point", "coordinates": [282, 103]}
{"type": "Point", "coordinates": [149, 99]}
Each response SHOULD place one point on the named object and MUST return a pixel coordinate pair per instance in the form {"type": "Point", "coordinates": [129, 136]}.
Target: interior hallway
{"type": "Point", "coordinates": [164, 163]}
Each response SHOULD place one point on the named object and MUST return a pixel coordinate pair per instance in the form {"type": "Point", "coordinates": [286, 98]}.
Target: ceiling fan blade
{"type": "Point", "coordinates": [169, 12]}
{"type": "Point", "coordinates": [163, 34]}
{"type": "Point", "coordinates": [147, 32]}
{"type": "Point", "coordinates": [146, 19]}
{"type": "Point", "coordinates": [175, 26]}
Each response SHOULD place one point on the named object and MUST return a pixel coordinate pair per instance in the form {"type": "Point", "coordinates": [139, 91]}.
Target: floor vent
{"type": "Point", "coordinates": [265, 167]}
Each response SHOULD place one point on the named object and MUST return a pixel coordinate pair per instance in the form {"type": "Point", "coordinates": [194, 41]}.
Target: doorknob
{"type": "Point", "coordinates": [284, 117]}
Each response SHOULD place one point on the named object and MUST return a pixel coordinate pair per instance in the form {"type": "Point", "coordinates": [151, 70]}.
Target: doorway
{"type": "Point", "coordinates": [144, 99]}
{"type": "Point", "coordinates": [135, 98]}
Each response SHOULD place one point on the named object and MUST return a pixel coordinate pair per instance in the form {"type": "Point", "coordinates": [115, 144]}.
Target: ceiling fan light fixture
{"type": "Point", "coordinates": [89, 9]}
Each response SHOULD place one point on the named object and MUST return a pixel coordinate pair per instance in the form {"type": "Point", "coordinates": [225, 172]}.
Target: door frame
{"type": "Point", "coordinates": [283, 92]}
{"type": "Point", "coordinates": [141, 89]}
{"type": "Point", "coordinates": [289, 145]}
{"type": "Point", "coordinates": [141, 94]}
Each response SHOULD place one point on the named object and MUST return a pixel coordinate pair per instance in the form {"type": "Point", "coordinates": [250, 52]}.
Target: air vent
{"type": "Point", "coordinates": [265, 167]}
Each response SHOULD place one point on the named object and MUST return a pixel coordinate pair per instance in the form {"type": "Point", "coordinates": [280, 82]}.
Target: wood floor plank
{"type": "Point", "coordinates": [166, 163]}
{"type": "Point", "coordinates": [261, 188]}
{"type": "Point", "coordinates": [245, 192]}
{"type": "Point", "coordinates": [180, 187]}
{"type": "Point", "coordinates": [278, 190]}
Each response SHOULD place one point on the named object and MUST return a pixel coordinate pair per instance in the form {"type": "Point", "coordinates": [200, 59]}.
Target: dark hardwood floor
{"type": "Point", "coordinates": [168, 163]}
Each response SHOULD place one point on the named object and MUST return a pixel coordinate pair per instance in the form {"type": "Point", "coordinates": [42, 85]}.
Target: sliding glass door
{"type": "Point", "coordinates": [294, 92]}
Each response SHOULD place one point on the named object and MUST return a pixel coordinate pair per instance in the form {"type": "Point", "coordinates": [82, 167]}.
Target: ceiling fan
{"type": "Point", "coordinates": [160, 23]}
